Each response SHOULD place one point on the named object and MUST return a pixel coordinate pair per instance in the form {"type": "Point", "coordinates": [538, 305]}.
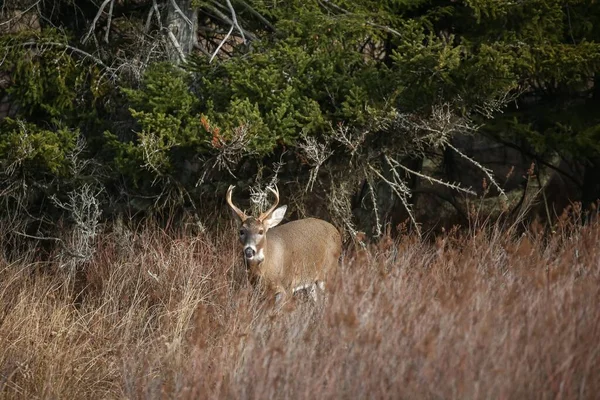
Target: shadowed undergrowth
{"type": "Point", "coordinates": [488, 314]}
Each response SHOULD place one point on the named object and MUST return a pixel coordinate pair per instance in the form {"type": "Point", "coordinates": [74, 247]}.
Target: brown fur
{"type": "Point", "coordinates": [302, 252]}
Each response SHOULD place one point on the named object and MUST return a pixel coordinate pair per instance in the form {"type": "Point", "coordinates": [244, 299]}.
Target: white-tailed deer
{"type": "Point", "coordinates": [297, 255]}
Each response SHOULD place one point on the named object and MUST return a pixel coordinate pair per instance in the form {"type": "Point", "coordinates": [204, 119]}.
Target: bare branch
{"type": "Point", "coordinates": [231, 151]}
{"type": "Point", "coordinates": [149, 19]}
{"type": "Point", "coordinates": [83, 205]}
{"type": "Point", "coordinates": [157, 12]}
{"type": "Point", "coordinates": [183, 16]}
{"type": "Point", "coordinates": [487, 172]}
{"type": "Point", "coordinates": [96, 18]}
{"type": "Point", "coordinates": [202, 49]}
{"type": "Point", "coordinates": [228, 20]}
{"type": "Point", "coordinates": [350, 139]}
{"type": "Point", "coordinates": [221, 44]}
{"type": "Point", "coordinates": [175, 44]}
{"type": "Point", "coordinates": [259, 197]}
{"type": "Point", "coordinates": [340, 205]}
{"type": "Point", "coordinates": [402, 191]}
{"type": "Point", "coordinates": [235, 21]}
{"type": "Point", "coordinates": [316, 154]}
{"type": "Point", "coordinates": [110, 12]}
{"type": "Point", "coordinates": [430, 179]}
{"type": "Point", "coordinates": [234, 24]}
{"type": "Point", "coordinates": [21, 14]}
{"type": "Point", "coordinates": [37, 237]}
{"type": "Point", "coordinates": [378, 225]}
{"type": "Point", "coordinates": [436, 129]}
{"type": "Point", "coordinates": [257, 15]}
{"type": "Point", "coordinates": [496, 105]}
{"type": "Point", "coordinates": [68, 47]}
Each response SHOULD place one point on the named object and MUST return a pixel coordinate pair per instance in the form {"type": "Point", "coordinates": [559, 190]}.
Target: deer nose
{"type": "Point", "coordinates": [249, 252]}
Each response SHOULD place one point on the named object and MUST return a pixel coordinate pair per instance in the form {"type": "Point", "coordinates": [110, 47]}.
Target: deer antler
{"type": "Point", "coordinates": [239, 212]}
{"type": "Point", "coordinates": [273, 207]}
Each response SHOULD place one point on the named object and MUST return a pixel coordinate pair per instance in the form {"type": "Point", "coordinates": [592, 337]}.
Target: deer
{"type": "Point", "coordinates": [297, 255]}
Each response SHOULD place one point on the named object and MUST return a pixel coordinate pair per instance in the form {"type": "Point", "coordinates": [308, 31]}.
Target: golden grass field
{"type": "Point", "coordinates": [485, 314]}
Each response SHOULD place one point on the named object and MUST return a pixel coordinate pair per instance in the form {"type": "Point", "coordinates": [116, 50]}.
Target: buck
{"type": "Point", "coordinates": [290, 257]}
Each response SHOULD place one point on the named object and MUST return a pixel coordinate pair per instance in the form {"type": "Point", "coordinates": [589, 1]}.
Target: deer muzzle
{"type": "Point", "coordinates": [249, 252]}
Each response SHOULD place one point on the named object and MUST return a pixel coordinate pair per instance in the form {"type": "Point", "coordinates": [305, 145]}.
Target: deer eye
{"type": "Point", "coordinates": [242, 233]}
{"type": "Point", "coordinates": [260, 232]}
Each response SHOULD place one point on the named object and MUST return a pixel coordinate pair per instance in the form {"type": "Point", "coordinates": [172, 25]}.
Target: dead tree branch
{"type": "Point", "coordinates": [175, 44]}
{"type": "Point", "coordinates": [95, 21]}
{"type": "Point", "coordinates": [486, 171]}
{"type": "Point", "coordinates": [110, 12]}
{"type": "Point", "coordinates": [67, 47]}
{"type": "Point", "coordinates": [316, 154]}
{"type": "Point", "coordinates": [234, 24]}
{"type": "Point", "coordinates": [20, 15]}
{"type": "Point", "coordinates": [157, 11]}
{"type": "Point", "coordinates": [221, 44]}
{"type": "Point", "coordinates": [148, 19]}
{"type": "Point", "coordinates": [430, 179]}
{"type": "Point", "coordinates": [258, 15]}
{"type": "Point", "coordinates": [235, 21]}
{"type": "Point", "coordinates": [402, 191]}
{"type": "Point", "coordinates": [183, 16]}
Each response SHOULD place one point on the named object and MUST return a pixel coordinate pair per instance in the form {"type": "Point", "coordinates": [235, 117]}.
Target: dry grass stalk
{"type": "Point", "coordinates": [480, 315]}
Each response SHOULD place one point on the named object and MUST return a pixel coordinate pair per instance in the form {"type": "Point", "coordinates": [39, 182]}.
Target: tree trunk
{"type": "Point", "coordinates": [182, 22]}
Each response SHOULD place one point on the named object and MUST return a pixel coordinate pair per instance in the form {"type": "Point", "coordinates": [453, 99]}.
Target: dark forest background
{"type": "Point", "coordinates": [377, 115]}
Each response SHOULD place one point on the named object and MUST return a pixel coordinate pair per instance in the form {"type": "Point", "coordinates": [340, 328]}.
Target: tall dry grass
{"type": "Point", "coordinates": [488, 314]}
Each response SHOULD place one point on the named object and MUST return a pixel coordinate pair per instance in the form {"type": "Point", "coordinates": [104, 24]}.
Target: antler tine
{"type": "Point", "coordinates": [274, 206]}
{"type": "Point", "coordinates": [239, 212]}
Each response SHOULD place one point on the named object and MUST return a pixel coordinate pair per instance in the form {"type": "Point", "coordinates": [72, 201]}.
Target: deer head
{"type": "Point", "coordinates": [253, 231]}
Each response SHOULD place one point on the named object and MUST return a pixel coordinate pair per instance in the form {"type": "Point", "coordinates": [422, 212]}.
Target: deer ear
{"type": "Point", "coordinates": [275, 217]}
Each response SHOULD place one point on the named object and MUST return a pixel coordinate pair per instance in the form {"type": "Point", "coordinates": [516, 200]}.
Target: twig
{"type": "Point", "coordinates": [374, 201]}
{"type": "Point", "coordinates": [257, 15]}
{"type": "Point", "coordinates": [168, 31]}
{"type": "Point", "coordinates": [175, 44]}
{"type": "Point", "coordinates": [486, 171]}
{"type": "Point", "coordinates": [227, 20]}
{"type": "Point", "coordinates": [401, 196]}
{"type": "Point", "coordinates": [37, 237]}
{"type": "Point", "coordinates": [316, 153]}
{"type": "Point", "coordinates": [148, 19]}
{"type": "Point", "coordinates": [110, 12]}
{"type": "Point", "coordinates": [430, 179]}
{"type": "Point", "coordinates": [96, 18]}
{"type": "Point", "coordinates": [221, 44]}
{"type": "Point", "coordinates": [21, 14]}
{"type": "Point", "coordinates": [235, 21]}
{"type": "Point", "coordinates": [66, 46]}
{"type": "Point", "coordinates": [185, 18]}
{"type": "Point", "coordinates": [156, 10]}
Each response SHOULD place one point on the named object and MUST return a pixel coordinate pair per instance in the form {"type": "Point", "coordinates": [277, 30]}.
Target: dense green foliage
{"type": "Point", "coordinates": [310, 69]}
